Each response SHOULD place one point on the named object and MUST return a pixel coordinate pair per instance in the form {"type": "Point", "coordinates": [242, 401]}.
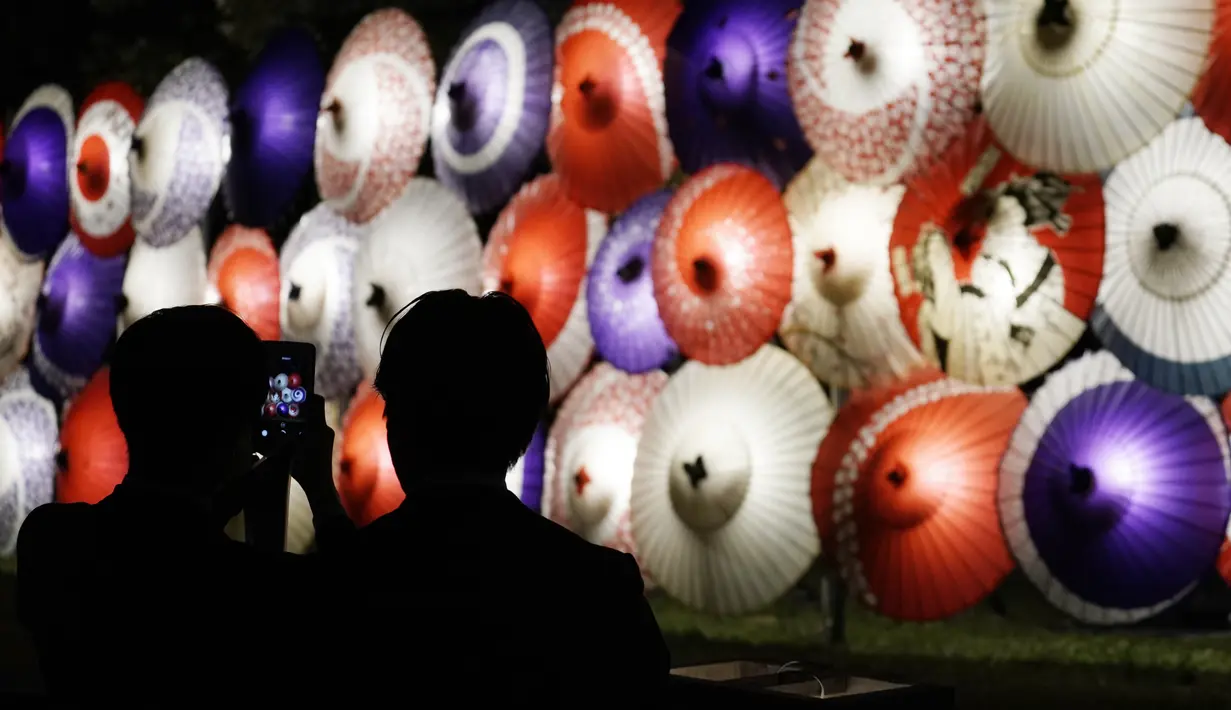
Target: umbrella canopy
{"type": "Point", "coordinates": [29, 433]}
{"type": "Point", "coordinates": [493, 104]}
{"type": "Point", "coordinates": [726, 86]}
{"type": "Point", "coordinates": [163, 277]}
{"type": "Point", "coordinates": [77, 311]}
{"type": "Point", "coordinates": [33, 175]}
{"type": "Point", "coordinates": [366, 480]}
{"type": "Point", "coordinates": [426, 241]}
{"type": "Point", "coordinates": [375, 115]}
{"type": "Point", "coordinates": [93, 455]}
{"type": "Point", "coordinates": [180, 152]}
{"type": "Point", "coordinates": [273, 120]}
{"type": "Point", "coordinates": [906, 491]}
{"type": "Point", "coordinates": [1208, 100]}
{"type": "Point", "coordinates": [722, 263]}
{"type": "Point", "coordinates": [843, 320]}
{"type": "Point", "coordinates": [1162, 301]}
{"type": "Point", "coordinates": [1076, 86]}
{"type": "Point", "coordinates": [20, 280]}
{"type": "Point", "coordinates": [538, 252]}
{"type": "Point", "coordinates": [720, 508]}
{"type": "Point", "coordinates": [1115, 496]}
{"type": "Point", "coordinates": [243, 271]}
{"type": "Point", "coordinates": [883, 87]}
{"type": "Point", "coordinates": [99, 182]}
{"type": "Point", "coordinates": [574, 406]}
{"type": "Point", "coordinates": [996, 265]}
{"type": "Point", "coordinates": [620, 305]}
{"type": "Point", "coordinates": [317, 266]}
{"type": "Point", "coordinates": [608, 137]}
{"type": "Point", "coordinates": [525, 479]}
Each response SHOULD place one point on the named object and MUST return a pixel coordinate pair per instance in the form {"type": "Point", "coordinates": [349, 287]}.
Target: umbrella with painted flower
{"type": "Point", "coordinates": [99, 180]}
{"type": "Point", "coordinates": [34, 192]}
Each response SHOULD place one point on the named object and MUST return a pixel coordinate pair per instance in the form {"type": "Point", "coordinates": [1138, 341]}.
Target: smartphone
{"type": "Point", "coordinates": [291, 368]}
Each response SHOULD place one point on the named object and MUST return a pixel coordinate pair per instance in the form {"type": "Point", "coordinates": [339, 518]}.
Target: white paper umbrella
{"type": "Point", "coordinates": [20, 280]}
{"type": "Point", "coordinates": [721, 511]}
{"type": "Point", "coordinates": [29, 439]}
{"type": "Point", "coordinates": [1075, 86]}
{"type": "Point", "coordinates": [843, 320]}
{"type": "Point", "coordinates": [578, 399]}
{"type": "Point", "coordinates": [1162, 305]}
{"type": "Point", "coordinates": [426, 241]}
{"type": "Point", "coordinates": [882, 87]}
{"type": "Point", "coordinates": [164, 277]}
{"type": "Point", "coordinates": [317, 266]}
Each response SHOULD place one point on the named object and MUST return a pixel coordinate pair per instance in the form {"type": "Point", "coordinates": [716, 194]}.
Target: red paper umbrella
{"type": "Point", "coordinates": [1210, 99]}
{"type": "Point", "coordinates": [539, 252]}
{"type": "Point", "coordinates": [93, 455]}
{"type": "Point", "coordinates": [910, 500]}
{"type": "Point", "coordinates": [722, 264]}
{"type": "Point", "coordinates": [366, 482]}
{"type": "Point", "coordinates": [100, 189]}
{"type": "Point", "coordinates": [608, 134]}
{"type": "Point", "coordinates": [996, 265]}
{"type": "Point", "coordinates": [243, 267]}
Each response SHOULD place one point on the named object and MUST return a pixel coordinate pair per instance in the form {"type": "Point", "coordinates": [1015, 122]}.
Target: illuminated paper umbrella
{"type": "Point", "coordinates": [317, 267]}
{"type": "Point", "coordinates": [33, 173]}
{"type": "Point", "coordinates": [93, 455]}
{"type": "Point", "coordinates": [1161, 303]}
{"type": "Point", "coordinates": [573, 406]}
{"type": "Point", "coordinates": [366, 481]}
{"type": "Point", "coordinates": [426, 241]}
{"type": "Point", "coordinates": [909, 501]}
{"type": "Point", "coordinates": [1114, 496]}
{"type": "Point", "coordinates": [726, 87]}
{"type": "Point", "coordinates": [720, 508]}
{"type": "Point", "coordinates": [493, 103]}
{"type": "Point", "coordinates": [99, 182]}
{"type": "Point", "coordinates": [1078, 85]}
{"type": "Point", "coordinates": [180, 152]}
{"type": "Point", "coordinates": [29, 430]}
{"type": "Point", "coordinates": [843, 320]}
{"type": "Point", "coordinates": [884, 87]}
{"type": "Point", "coordinates": [623, 314]}
{"type": "Point", "coordinates": [525, 479]}
{"type": "Point", "coordinates": [996, 265]}
{"type": "Point", "coordinates": [375, 115]}
{"type": "Point", "coordinates": [538, 252]}
{"type": "Point", "coordinates": [77, 311]}
{"type": "Point", "coordinates": [273, 119]}
{"type": "Point", "coordinates": [243, 271]}
{"type": "Point", "coordinates": [163, 277]}
{"type": "Point", "coordinates": [1208, 99]}
{"type": "Point", "coordinates": [608, 137]}
{"type": "Point", "coordinates": [722, 263]}
{"type": "Point", "coordinates": [20, 280]}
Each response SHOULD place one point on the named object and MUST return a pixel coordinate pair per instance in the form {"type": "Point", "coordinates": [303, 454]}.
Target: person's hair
{"type": "Point", "coordinates": [465, 379]}
{"type": "Point", "coordinates": [187, 382]}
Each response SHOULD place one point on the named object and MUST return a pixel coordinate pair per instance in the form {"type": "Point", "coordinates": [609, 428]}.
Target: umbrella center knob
{"type": "Point", "coordinates": [705, 275]}
{"type": "Point", "coordinates": [631, 270]}
{"type": "Point", "coordinates": [1055, 23]}
{"type": "Point", "coordinates": [863, 58]}
{"type": "Point", "coordinates": [827, 257]}
{"type": "Point", "coordinates": [378, 298]}
{"type": "Point", "coordinates": [51, 312]}
{"type": "Point", "coordinates": [14, 180]}
{"type": "Point", "coordinates": [1166, 236]}
{"type": "Point", "coordinates": [337, 113]}
{"type": "Point", "coordinates": [1081, 480]}
{"type": "Point", "coordinates": [463, 109]}
{"type": "Point", "coordinates": [580, 480]}
{"type": "Point", "coordinates": [61, 460]}
{"type": "Point", "coordinates": [709, 478]}
{"type": "Point", "coordinates": [896, 478]}
{"type": "Point", "coordinates": [295, 292]}
{"type": "Point", "coordinates": [599, 101]}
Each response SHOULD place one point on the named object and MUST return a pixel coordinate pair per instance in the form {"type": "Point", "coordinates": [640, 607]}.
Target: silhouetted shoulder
{"type": "Point", "coordinates": [48, 523]}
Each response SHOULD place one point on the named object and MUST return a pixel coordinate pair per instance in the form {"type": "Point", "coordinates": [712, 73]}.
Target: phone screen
{"type": "Point", "coordinates": [291, 371]}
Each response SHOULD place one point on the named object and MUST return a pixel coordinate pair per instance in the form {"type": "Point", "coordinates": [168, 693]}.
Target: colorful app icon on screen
{"type": "Point", "coordinates": [288, 395]}
{"type": "Point", "coordinates": [280, 381]}
{"type": "Point", "coordinates": [271, 409]}
{"type": "Point", "coordinates": [294, 381]}
{"type": "Point", "coordinates": [299, 394]}
{"type": "Point", "coordinates": [282, 409]}
{"type": "Point", "coordinates": [292, 409]}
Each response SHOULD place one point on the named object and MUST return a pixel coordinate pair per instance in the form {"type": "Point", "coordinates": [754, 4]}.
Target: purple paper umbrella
{"type": "Point", "coordinates": [526, 478]}
{"type": "Point", "coordinates": [273, 129]}
{"type": "Point", "coordinates": [624, 321]}
{"type": "Point", "coordinates": [77, 312]}
{"type": "Point", "coordinates": [1123, 504]}
{"type": "Point", "coordinates": [493, 103]}
{"type": "Point", "coordinates": [34, 172]}
{"type": "Point", "coordinates": [726, 86]}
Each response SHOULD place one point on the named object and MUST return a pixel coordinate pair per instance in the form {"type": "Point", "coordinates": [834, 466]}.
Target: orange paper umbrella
{"type": "Point", "coordinates": [996, 265]}
{"type": "Point", "coordinates": [243, 268]}
{"type": "Point", "coordinates": [722, 264]}
{"type": "Point", "coordinates": [910, 499]}
{"type": "Point", "coordinates": [539, 252]}
{"type": "Point", "coordinates": [93, 455]}
{"type": "Point", "coordinates": [1209, 99]}
{"type": "Point", "coordinates": [366, 482]}
{"type": "Point", "coordinates": [608, 134]}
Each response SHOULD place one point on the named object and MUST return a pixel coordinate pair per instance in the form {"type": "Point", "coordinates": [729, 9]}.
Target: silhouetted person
{"type": "Point", "coordinates": [141, 599]}
{"type": "Point", "coordinates": [463, 585]}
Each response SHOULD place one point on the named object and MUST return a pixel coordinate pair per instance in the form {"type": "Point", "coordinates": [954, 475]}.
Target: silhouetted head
{"type": "Point", "coordinates": [464, 381]}
{"type": "Point", "coordinates": [187, 385]}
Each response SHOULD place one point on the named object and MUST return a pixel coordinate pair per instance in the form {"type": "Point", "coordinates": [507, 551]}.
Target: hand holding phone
{"type": "Point", "coordinates": [291, 368]}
